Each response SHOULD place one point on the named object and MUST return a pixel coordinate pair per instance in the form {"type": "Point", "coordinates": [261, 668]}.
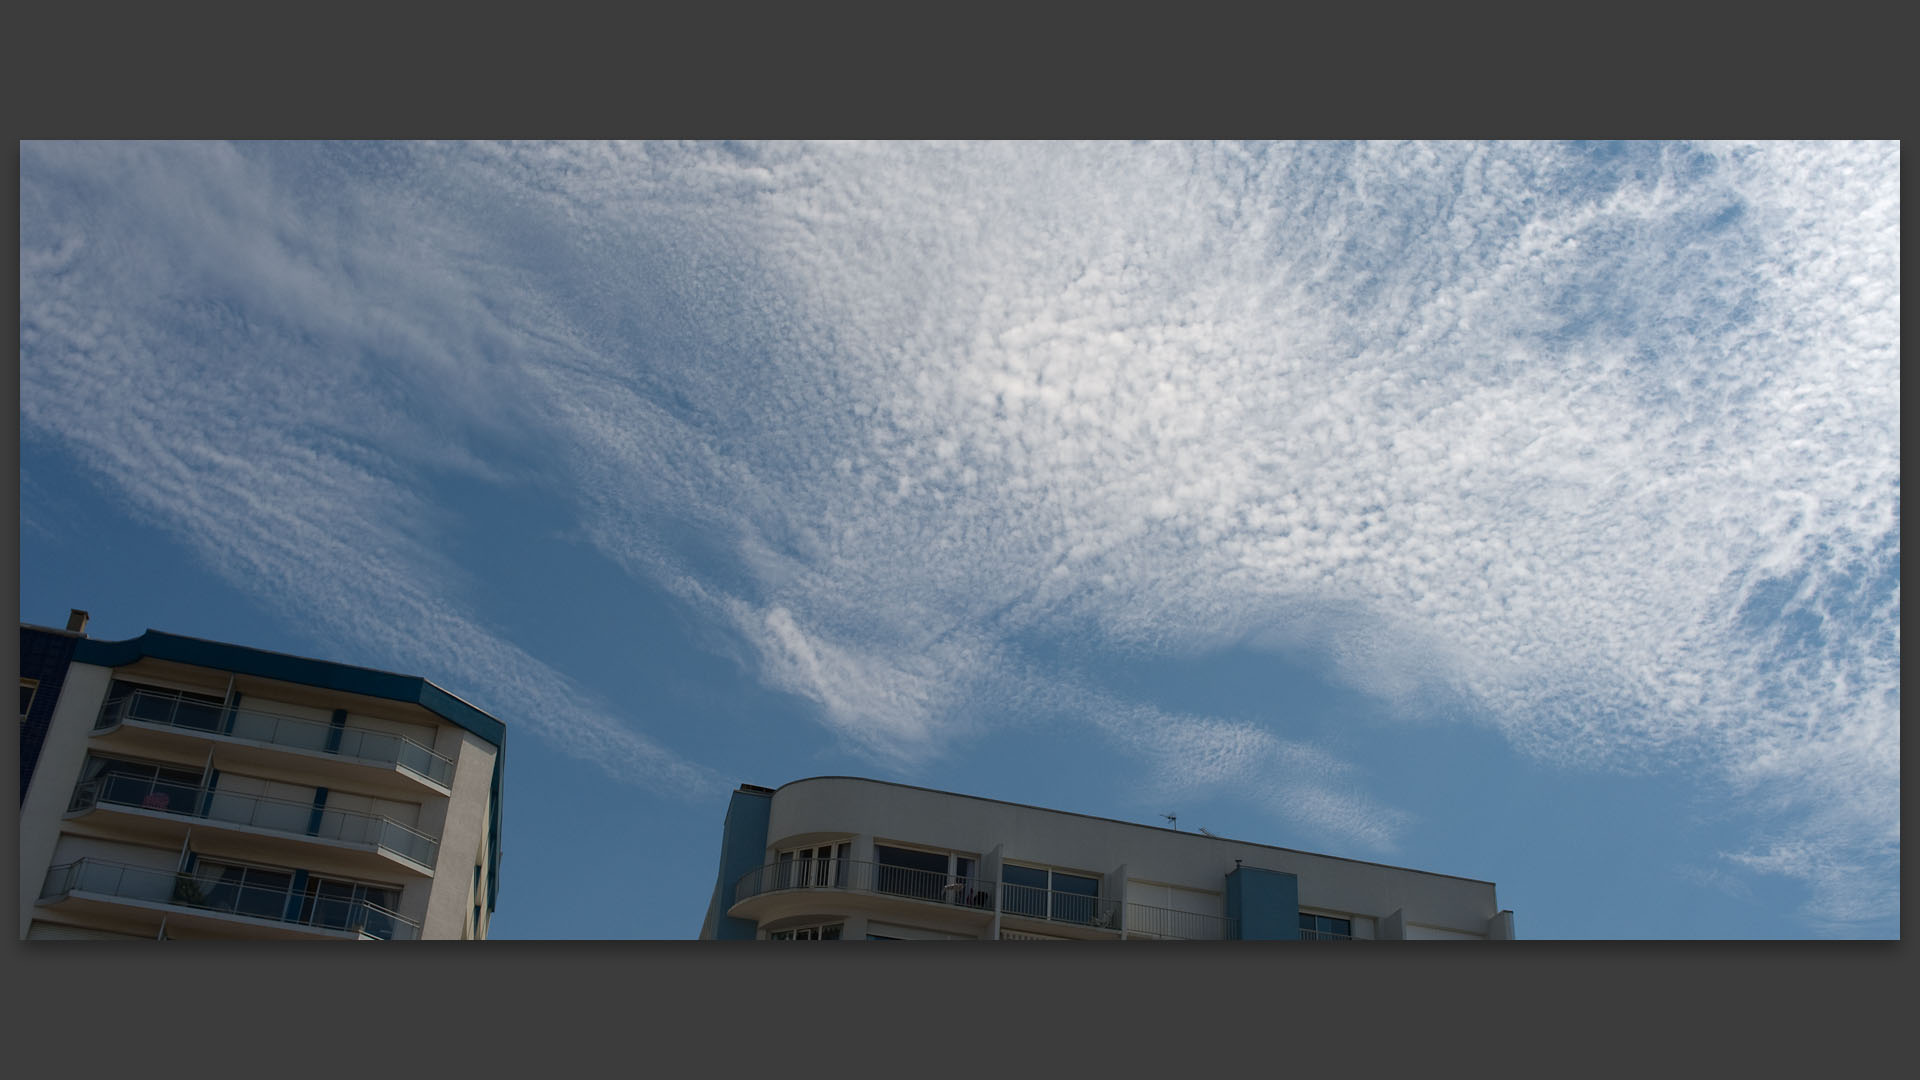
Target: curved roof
{"type": "Point", "coordinates": [1119, 821]}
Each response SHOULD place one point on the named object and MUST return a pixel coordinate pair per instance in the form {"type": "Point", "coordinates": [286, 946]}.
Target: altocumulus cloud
{"type": "Point", "coordinates": [1599, 444]}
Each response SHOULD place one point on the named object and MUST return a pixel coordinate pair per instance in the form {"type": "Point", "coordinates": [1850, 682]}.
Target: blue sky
{"type": "Point", "coordinates": [1524, 512]}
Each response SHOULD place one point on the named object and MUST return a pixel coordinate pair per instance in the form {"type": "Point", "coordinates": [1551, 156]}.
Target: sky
{"type": "Point", "coordinates": [1525, 512]}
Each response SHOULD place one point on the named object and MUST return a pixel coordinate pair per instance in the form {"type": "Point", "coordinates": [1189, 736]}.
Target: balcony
{"type": "Point", "coordinates": [121, 891]}
{"type": "Point", "coordinates": [185, 715]}
{"type": "Point", "coordinates": [1147, 923]}
{"type": "Point", "coordinates": [754, 894]}
{"type": "Point", "coordinates": [1063, 909]}
{"type": "Point", "coordinates": [256, 815]}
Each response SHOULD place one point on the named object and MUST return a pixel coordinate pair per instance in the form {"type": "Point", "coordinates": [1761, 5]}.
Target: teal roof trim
{"type": "Point", "coordinates": [294, 669]}
{"type": "Point", "coordinates": [327, 675]}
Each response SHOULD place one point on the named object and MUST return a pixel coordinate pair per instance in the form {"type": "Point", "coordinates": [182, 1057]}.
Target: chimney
{"type": "Point", "coordinates": [77, 621]}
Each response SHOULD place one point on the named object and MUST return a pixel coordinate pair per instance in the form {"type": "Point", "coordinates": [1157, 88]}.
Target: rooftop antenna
{"type": "Point", "coordinates": [1173, 820]}
{"type": "Point", "coordinates": [1204, 832]}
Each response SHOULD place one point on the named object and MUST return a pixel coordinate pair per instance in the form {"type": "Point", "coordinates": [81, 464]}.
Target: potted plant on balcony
{"type": "Point", "coordinates": [186, 890]}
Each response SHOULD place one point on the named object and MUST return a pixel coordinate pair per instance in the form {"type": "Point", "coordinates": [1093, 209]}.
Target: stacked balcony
{"type": "Point", "coordinates": [871, 878]}
{"type": "Point", "coordinates": [156, 809]}
{"type": "Point", "coordinates": [373, 760]}
{"type": "Point", "coordinates": [1146, 923]}
{"type": "Point", "coordinates": [1058, 912]}
{"type": "Point", "coordinates": [145, 896]}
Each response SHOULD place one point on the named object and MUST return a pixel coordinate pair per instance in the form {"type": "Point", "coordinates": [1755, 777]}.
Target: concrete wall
{"type": "Point", "coordinates": [426, 735]}
{"type": "Point", "coordinates": [1417, 932]}
{"type": "Point", "coordinates": [71, 848]}
{"type": "Point", "coordinates": [905, 932]}
{"type": "Point", "coordinates": [285, 708]}
{"type": "Point", "coordinates": [62, 750]}
{"type": "Point", "coordinates": [463, 837]}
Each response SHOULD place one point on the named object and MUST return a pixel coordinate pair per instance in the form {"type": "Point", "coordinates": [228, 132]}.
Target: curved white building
{"type": "Point", "coordinates": [840, 857]}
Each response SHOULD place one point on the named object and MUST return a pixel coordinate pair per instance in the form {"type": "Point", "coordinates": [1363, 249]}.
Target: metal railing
{"type": "Point", "coordinates": [259, 811]}
{"type": "Point", "coordinates": [1172, 924]}
{"type": "Point", "coordinates": [1324, 935]}
{"type": "Point", "coordinates": [180, 889]}
{"type": "Point", "coordinates": [861, 876]}
{"type": "Point", "coordinates": [273, 729]}
{"type": "Point", "coordinates": [1079, 909]}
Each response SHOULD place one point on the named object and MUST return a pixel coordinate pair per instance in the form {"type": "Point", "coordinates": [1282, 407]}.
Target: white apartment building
{"type": "Point", "coordinates": [177, 788]}
{"type": "Point", "coordinates": [844, 858]}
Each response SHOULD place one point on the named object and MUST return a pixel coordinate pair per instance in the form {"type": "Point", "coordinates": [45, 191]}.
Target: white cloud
{"type": "Point", "coordinates": [223, 390]}
{"type": "Point", "coordinates": [1602, 449]}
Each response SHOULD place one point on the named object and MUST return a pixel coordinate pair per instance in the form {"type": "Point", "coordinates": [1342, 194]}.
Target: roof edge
{"type": "Point", "coordinates": [1135, 824]}
{"type": "Point", "coordinates": [304, 670]}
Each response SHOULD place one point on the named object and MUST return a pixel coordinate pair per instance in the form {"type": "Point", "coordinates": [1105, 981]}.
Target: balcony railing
{"type": "Point", "coordinates": [177, 889]}
{"type": "Point", "coordinates": [1054, 905]}
{"type": "Point", "coordinates": [1171, 924]}
{"type": "Point", "coordinates": [870, 877]}
{"type": "Point", "coordinates": [298, 733]}
{"type": "Point", "coordinates": [278, 815]}
{"type": "Point", "coordinates": [1324, 935]}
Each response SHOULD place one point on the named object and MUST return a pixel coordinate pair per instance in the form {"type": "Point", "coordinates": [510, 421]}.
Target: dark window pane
{"type": "Point", "coordinates": [1024, 875]}
{"type": "Point", "coordinates": [906, 857]}
{"type": "Point", "coordinates": [198, 715]}
{"type": "Point", "coordinates": [1025, 891]}
{"type": "Point", "coordinates": [371, 922]}
{"type": "Point", "coordinates": [1074, 898]}
{"type": "Point", "coordinates": [328, 911]}
{"type": "Point", "coordinates": [830, 933]}
{"type": "Point", "coordinates": [905, 872]}
{"type": "Point", "coordinates": [269, 879]}
{"type": "Point", "coordinates": [150, 707]}
{"type": "Point", "coordinates": [265, 903]}
{"type": "Point", "coordinates": [1074, 883]}
{"type": "Point", "coordinates": [116, 767]}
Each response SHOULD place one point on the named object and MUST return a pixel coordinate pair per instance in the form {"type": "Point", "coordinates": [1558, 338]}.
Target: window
{"type": "Point", "coordinates": [829, 932]}
{"type": "Point", "coordinates": [1041, 893]}
{"type": "Point", "coordinates": [137, 783]}
{"type": "Point", "coordinates": [350, 905]}
{"type": "Point", "coordinates": [1325, 928]}
{"type": "Point", "coordinates": [944, 876]}
{"type": "Point", "coordinates": [819, 866]}
{"type": "Point", "coordinates": [28, 687]}
{"type": "Point", "coordinates": [243, 890]}
{"type": "Point", "coordinates": [154, 705]}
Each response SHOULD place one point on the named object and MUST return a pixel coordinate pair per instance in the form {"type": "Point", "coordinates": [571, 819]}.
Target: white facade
{"type": "Point", "coordinates": [857, 859]}
{"type": "Point", "coordinates": [187, 789]}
